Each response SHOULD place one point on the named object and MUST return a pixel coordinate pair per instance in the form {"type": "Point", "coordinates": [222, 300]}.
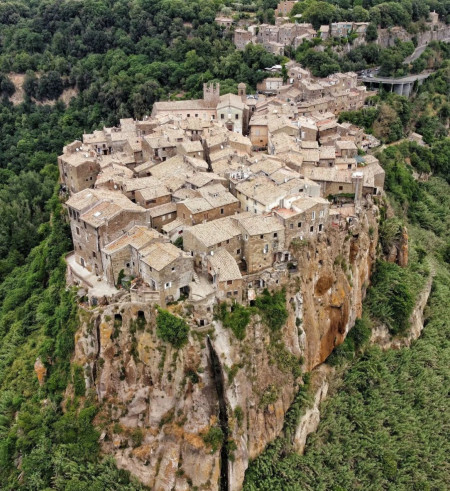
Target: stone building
{"type": "Point", "coordinates": [242, 38]}
{"type": "Point", "coordinates": [213, 202]}
{"type": "Point", "coordinates": [224, 274]}
{"type": "Point", "coordinates": [162, 214]}
{"type": "Point", "coordinates": [78, 168]}
{"type": "Point", "coordinates": [284, 8]}
{"type": "Point", "coordinates": [122, 254]}
{"type": "Point", "coordinates": [306, 217]}
{"type": "Point", "coordinates": [263, 239]}
{"type": "Point", "coordinates": [96, 218]}
{"type": "Point", "coordinates": [166, 269]}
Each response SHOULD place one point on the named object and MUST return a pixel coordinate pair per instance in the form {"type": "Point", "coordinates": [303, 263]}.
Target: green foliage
{"type": "Point", "coordinates": [78, 380]}
{"type": "Point", "coordinates": [235, 318]}
{"type": "Point", "coordinates": [272, 308]}
{"type": "Point", "coordinates": [171, 328]}
{"type": "Point", "coordinates": [239, 415]}
{"type": "Point", "coordinates": [391, 298]}
{"type": "Point", "coordinates": [213, 438]}
{"type": "Point", "coordinates": [269, 396]}
{"type": "Point", "coordinates": [179, 243]}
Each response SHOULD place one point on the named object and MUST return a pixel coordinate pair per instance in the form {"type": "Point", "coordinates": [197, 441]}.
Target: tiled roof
{"type": "Point", "coordinates": [137, 237]}
{"type": "Point", "coordinates": [224, 265]}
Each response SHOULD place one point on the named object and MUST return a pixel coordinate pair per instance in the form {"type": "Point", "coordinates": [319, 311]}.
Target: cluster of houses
{"type": "Point", "coordinates": [286, 33]}
{"type": "Point", "coordinates": [307, 94]}
{"type": "Point", "coordinates": [184, 205]}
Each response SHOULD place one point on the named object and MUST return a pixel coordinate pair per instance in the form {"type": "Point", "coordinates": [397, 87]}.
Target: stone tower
{"type": "Point", "coordinates": [242, 91]}
{"type": "Point", "coordinates": [211, 94]}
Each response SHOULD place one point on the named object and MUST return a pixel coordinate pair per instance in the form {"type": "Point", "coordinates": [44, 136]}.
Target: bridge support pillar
{"type": "Point", "coordinates": [398, 89]}
{"type": "Point", "coordinates": [407, 88]}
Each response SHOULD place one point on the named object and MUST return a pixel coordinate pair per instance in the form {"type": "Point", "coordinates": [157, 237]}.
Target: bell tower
{"type": "Point", "coordinates": [211, 94]}
{"type": "Point", "coordinates": [242, 91]}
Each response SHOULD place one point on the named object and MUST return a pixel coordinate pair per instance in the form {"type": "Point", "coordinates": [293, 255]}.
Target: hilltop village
{"type": "Point", "coordinates": [204, 199]}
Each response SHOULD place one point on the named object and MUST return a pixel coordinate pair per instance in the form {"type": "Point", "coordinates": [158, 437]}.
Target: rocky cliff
{"type": "Point", "coordinates": [160, 406]}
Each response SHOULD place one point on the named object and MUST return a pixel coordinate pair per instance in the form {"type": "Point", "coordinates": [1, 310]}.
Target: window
{"type": "Point", "coordinates": [246, 237]}
{"type": "Point", "coordinates": [321, 213]}
{"type": "Point", "coordinates": [313, 215]}
{"type": "Point", "coordinates": [341, 188]}
{"type": "Point", "coordinates": [222, 116]}
{"type": "Point", "coordinates": [229, 282]}
{"type": "Point", "coordinates": [235, 293]}
{"type": "Point", "coordinates": [128, 265]}
{"type": "Point", "coordinates": [219, 244]}
{"type": "Point", "coordinates": [238, 251]}
{"type": "Point", "coordinates": [196, 115]}
{"type": "Point", "coordinates": [93, 254]}
{"type": "Point", "coordinates": [311, 229]}
{"type": "Point", "coordinates": [222, 211]}
{"type": "Point", "coordinates": [266, 249]}
{"type": "Point", "coordinates": [236, 116]}
{"type": "Point", "coordinates": [261, 236]}
{"type": "Point", "coordinates": [320, 227]}
{"type": "Point", "coordinates": [275, 234]}
{"type": "Point", "coordinates": [228, 294]}
{"type": "Point", "coordinates": [299, 224]}
{"type": "Point", "coordinates": [78, 230]}
{"type": "Point", "coordinates": [168, 285]}
{"type": "Point", "coordinates": [188, 115]}
{"type": "Point", "coordinates": [173, 269]}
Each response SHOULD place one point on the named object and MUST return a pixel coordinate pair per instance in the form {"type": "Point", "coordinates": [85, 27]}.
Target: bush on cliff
{"type": "Point", "coordinates": [171, 329]}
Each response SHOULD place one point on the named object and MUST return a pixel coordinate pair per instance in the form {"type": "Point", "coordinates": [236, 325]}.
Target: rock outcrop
{"type": "Point", "coordinates": [381, 335]}
{"type": "Point", "coordinates": [157, 403]}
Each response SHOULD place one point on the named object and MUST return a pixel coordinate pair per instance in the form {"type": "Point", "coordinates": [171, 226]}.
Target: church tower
{"type": "Point", "coordinates": [211, 94]}
{"type": "Point", "coordinates": [242, 91]}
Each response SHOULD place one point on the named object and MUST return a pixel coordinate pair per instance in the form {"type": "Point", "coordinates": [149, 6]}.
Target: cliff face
{"type": "Point", "coordinates": [158, 402]}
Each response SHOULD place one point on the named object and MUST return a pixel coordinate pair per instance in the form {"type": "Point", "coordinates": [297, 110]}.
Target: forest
{"type": "Point", "coordinates": [119, 57]}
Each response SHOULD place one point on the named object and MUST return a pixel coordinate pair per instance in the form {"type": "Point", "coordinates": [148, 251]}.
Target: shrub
{"type": "Point", "coordinates": [171, 329]}
{"type": "Point", "coordinates": [273, 308]}
{"type": "Point", "coordinates": [213, 438]}
{"type": "Point", "coordinates": [236, 318]}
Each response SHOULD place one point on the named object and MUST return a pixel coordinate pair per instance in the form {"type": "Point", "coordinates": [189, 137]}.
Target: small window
{"type": "Point", "coordinates": [291, 226]}
{"type": "Point", "coordinates": [313, 215]}
{"type": "Point", "coordinates": [320, 227]}
{"type": "Point", "coordinates": [173, 269]}
{"type": "Point", "coordinates": [261, 236]}
{"type": "Point", "coordinates": [311, 229]}
{"type": "Point", "coordinates": [299, 224]}
{"type": "Point", "coordinates": [188, 115]}
{"type": "Point", "coordinates": [229, 282]}
{"type": "Point", "coordinates": [168, 285]}
{"type": "Point", "coordinates": [235, 293]}
{"type": "Point", "coordinates": [219, 244]}
{"type": "Point", "coordinates": [196, 115]}
{"type": "Point", "coordinates": [321, 213]}
{"type": "Point", "coordinates": [236, 116]}
{"type": "Point", "coordinates": [93, 254]}
{"type": "Point", "coordinates": [275, 234]}
{"type": "Point", "coordinates": [222, 116]}
{"type": "Point", "coordinates": [78, 230]}
{"type": "Point", "coordinates": [128, 265]}
{"type": "Point", "coordinates": [222, 211]}
{"type": "Point", "coordinates": [341, 188]}
{"type": "Point", "coordinates": [238, 251]}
